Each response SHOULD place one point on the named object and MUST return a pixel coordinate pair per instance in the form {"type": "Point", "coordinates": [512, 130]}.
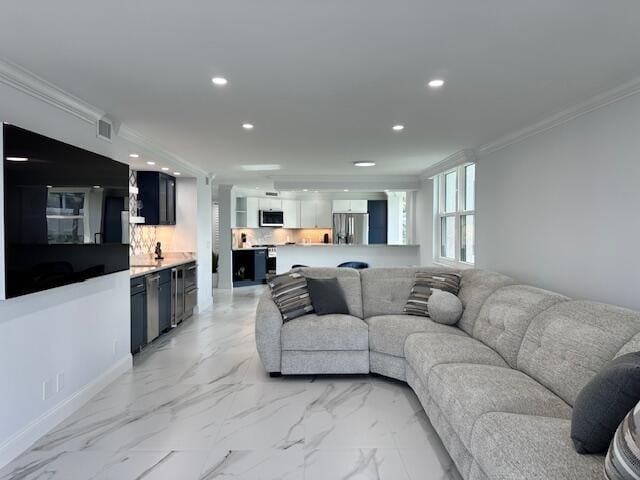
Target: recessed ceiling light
{"type": "Point", "coordinates": [260, 167]}
{"type": "Point", "coordinates": [134, 155]}
{"type": "Point", "coordinates": [436, 83]}
{"type": "Point", "coordinates": [257, 188]}
{"type": "Point", "coordinates": [165, 169]}
{"type": "Point", "coordinates": [364, 164]}
{"type": "Point", "coordinates": [176, 173]}
{"type": "Point", "coordinates": [151, 163]}
{"type": "Point", "coordinates": [346, 189]}
{"type": "Point", "coordinates": [220, 81]}
{"type": "Point", "coordinates": [247, 126]}
{"type": "Point", "coordinates": [398, 128]}
{"type": "Point", "coordinates": [305, 189]}
{"type": "Point", "coordinates": [17, 159]}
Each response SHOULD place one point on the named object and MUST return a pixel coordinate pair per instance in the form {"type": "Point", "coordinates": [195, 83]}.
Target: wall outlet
{"type": "Point", "coordinates": [47, 389]}
{"type": "Point", "coordinates": [59, 382]}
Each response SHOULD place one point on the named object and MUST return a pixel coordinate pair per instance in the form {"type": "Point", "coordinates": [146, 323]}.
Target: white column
{"type": "Point", "coordinates": [224, 265]}
{"type": "Point", "coordinates": [205, 298]}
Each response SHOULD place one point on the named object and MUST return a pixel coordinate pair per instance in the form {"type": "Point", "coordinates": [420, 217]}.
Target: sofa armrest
{"type": "Point", "coordinates": [268, 325]}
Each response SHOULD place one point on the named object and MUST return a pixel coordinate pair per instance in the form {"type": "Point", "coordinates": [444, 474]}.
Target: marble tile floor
{"type": "Point", "coordinates": [198, 405]}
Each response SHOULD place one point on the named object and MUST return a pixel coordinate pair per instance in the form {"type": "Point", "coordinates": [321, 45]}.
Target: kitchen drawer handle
{"type": "Point", "coordinates": [155, 277]}
{"type": "Point", "coordinates": [192, 268]}
{"type": "Point", "coordinates": [138, 286]}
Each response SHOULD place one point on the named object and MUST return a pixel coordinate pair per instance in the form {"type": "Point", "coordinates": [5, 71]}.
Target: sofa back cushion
{"type": "Point", "coordinates": [475, 287]}
{"type": "Point", "coordinates": [385, 290]}
{"type": "Point", "coordinates": [349, 280]}
{"type": "Point", "coordinates": [506, 314]}
{"type": "Point", "coordinates": [567, 344]}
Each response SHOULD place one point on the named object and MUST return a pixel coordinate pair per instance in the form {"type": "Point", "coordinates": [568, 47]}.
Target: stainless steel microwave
{"type": "Point", "coordinates": [271, 218]}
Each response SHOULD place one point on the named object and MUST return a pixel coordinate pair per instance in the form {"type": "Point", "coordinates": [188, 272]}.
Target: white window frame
{"type": "Point", "coordinates": [439, 201]}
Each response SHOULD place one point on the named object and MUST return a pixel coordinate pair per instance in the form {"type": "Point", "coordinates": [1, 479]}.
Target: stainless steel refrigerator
{"type": "Point", "coordinates": [351, 228]}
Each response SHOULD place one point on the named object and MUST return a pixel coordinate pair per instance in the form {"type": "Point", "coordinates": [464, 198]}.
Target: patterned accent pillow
{"type": "Point", "coordinates": [623, 457]}
{"type": "Point", "coordinates": [421, 290]}
{"type": "Point", "coordinates": [291, 294]}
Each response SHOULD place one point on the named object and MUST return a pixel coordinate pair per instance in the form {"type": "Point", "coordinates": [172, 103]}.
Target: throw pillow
{"type": "Point", "coordinates": [603, 402]}
{"type": "Point", "coordinates": [291, 294]}
{"type": "Point", "coordinates": [444, 307]}
{"type": "Point", "coordinates": [421, 290]}
{"type": "Point", "coordinates": [327, 296]}
{"type": "Point", "coordinates": [622, 461]}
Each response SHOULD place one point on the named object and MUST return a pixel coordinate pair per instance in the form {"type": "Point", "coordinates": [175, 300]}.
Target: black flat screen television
{"type": "Point", "coordinates": [65, 213]}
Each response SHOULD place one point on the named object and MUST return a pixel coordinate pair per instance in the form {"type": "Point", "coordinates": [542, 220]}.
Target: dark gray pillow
{"type": "Point", "coordinates": [327, 296]}
{"type": "Point", "coordinates": [603, 403]}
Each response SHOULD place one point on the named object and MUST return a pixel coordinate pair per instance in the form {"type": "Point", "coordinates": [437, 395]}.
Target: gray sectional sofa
{"type": "Point", "coordinates": [498, 387]}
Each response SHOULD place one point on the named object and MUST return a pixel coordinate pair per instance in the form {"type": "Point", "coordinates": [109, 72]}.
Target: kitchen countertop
{"type": "Point", "coordinates": [170, 260]}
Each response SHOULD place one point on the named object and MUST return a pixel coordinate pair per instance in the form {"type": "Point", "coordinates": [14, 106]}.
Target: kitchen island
{"type": "Point", "coordinates": [331, 255]}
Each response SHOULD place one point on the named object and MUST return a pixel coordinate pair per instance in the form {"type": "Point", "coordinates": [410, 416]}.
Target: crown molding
{"type": "Point", "coordinates": [31, 84]}
{"type": "Point", "coordinates": [594, 103]}
{"type": "Point", "coordinates": [459, 158]}
{"type": "Point", "coordinates": [362, 183]}
{"type": "Point", "coordinates": [27, 82]}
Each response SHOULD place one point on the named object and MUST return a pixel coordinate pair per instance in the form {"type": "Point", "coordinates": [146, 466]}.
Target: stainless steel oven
{"type": "Point", "coordinates": [271, 218]}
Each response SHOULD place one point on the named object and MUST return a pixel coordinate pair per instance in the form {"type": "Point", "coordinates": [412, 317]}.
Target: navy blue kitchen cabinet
{"type": "Point", "coordinates": [377, 221]}
{"type": "Point", "coordinates": [157, 191]}
{"type": "Point", "coordinates": [138, 314]}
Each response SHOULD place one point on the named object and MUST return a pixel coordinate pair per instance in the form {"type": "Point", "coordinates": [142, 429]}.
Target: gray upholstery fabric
{"type": "Point", "coordinates": [508, 446]}
{"type": "Point", "coordinates": [349, 280]}
{"type": "Point", "coordinates": [385, 290]}
{"type": "Point", "coordinates": [387, 333]}
{"type": "Point", "coordinates": [566, 345]}
{"type": "Point", "coordinates": [475, 288]}
{"type": "Point", "coordinates": [465, 392]}
{"type": "Point", "coordinates": [325, 332]}
{"type": "Point", "coordinates": [267, 329]}
{"type": "Point", "coordinates": [311, 363]}
{"type": "Point", "coordinates": [632, 345]}
{"type": "Point", "coordinates": [506, 315]}
{"type": "Point", "coordinates": [476, 472]}
{"type": "Point", "coordinates": [425, 351]}
{"type": "Point", "coordinates": [387, 365]}
{"type": "Point", "coordinates": [457, 451]}
{"type": "Point", "coordinates": [444, 307]}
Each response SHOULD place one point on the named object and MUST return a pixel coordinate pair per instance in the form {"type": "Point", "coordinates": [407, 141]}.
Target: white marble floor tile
{"type": "Point", "coordinates": [429, 464]}
{"type": "Point", "coordinates": [254, 465]}
{"type": "Point", "coordinates": [354, 464]}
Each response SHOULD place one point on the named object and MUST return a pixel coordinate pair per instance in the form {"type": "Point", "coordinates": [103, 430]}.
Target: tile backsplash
{"type": "Point", "coordinates": [277, 236]}
{"type": "Point", "coordinates": [142, 238]}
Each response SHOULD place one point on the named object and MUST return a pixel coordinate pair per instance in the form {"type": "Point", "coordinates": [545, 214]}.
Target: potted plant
{"type": "Point", "coordinates": [214, 265]}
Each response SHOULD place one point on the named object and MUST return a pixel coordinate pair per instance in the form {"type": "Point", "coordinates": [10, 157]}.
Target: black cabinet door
{"type": "Point", "coordinates": [171, 200]}
{"type": "Point", "coordinates": [157, 191]}
{"type": "Point", "coordinates": [138, 321]}
{"type": "Point", "coordinates": [162, 200]}
{"type": "Point", "coordinates": [165, 306]}
{"type": "Point", "coordinates": [260, 269]}
{"type": "Point", "coordinates": [377, 221]}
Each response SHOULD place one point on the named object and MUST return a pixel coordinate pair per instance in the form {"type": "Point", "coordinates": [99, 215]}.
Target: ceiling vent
{"type": "Point", "coordinates": [105, 129]}
{"type": "Point", "coordinates": [271, 194]}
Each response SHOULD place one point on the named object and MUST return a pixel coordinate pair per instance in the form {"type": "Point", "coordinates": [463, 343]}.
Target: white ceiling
{"type": "Point", "coordinates": [324, 81]}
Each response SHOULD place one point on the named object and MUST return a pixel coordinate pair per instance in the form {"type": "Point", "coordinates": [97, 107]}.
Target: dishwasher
{"type": "Point", "coordinates": [153, 310]}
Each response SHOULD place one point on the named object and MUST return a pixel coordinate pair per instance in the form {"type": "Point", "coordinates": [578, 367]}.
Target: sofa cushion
{"type": "Point", "coordinates": [387, 333]}
{"type": "Point", "coordinates": [567, 344]}
{"type": "Point", "coordinates": [290, 293]}
{"type": "Point", "coordinates": [424, 284]}
{"type": "Point", "coordinates": [475, 288]}
{"type": "Point", "coordinates": [425, 351]}
{"type": "Point", "coordinates": [385, 290]}
{"type": "Point", "coordinates": [349, 280]}
{"type": "Point", "coordinates": [604, 402]}
{"type": "Point", "coordinates": [622, 460]}
{"type": "Point", "coordinates": [505, 316]}
{"type": "Point", "coordinates": [513, 446]}
{"type": "Point", "coordinates": [327, 296]}
{"type": "Point", "coordinates": [444, 307]}
{"type": "Point", "coordinates": [465, 392]}
{"type": "Point", "coordinates": [327, 332]}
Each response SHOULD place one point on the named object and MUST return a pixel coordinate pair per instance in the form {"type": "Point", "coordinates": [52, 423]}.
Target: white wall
{"type": "Point", "coordinates": [560, 209]}
{"type": "Point", "coordinates": [81, 330]}
{"type": "Point", "coordinates": [226, 205]}
{"type": "Point", "coordinates": [204, 245]}
{"type": "Point", "coordinates": [424, 221]}
{"type": "Point", "coordinates": [183, 236]}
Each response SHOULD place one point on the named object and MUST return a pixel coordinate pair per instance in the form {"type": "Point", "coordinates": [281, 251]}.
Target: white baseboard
{"type": "Point", "coordinates": [22, 440]}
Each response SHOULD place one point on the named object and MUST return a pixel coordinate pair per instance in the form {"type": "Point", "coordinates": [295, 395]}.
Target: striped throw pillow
{"type": "Point", "coordinates": [623, 457]}
{"type": "Point", "coordinates": [421, 290]}
{"type": "Point", "coordinates": [291, 294]}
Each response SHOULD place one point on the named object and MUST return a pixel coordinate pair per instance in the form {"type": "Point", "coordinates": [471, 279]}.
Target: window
{"type": "Point", "coordinates": [455, 223]}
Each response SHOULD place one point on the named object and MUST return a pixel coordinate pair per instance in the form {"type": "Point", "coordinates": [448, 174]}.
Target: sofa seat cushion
{"type": "Point", "coordinates": [507, 445]}
{"type": "Point", "coordinates": [387, 333]}
{"type": "Point", "coordinates": [325, 332]}
{"type": "Point", "coordinates": [424, 351]}
{"type": "Point", "coordinates": [465, 392]}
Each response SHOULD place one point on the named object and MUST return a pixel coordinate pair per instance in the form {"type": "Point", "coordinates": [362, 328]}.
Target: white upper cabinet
{"type": "Point", "coordinates": [291, 213]}
{"type": "Point", "coordinates": [315, 214]}
{"type": "Point", "coordinates": [350, 206]}
{"type": "Point", "coordinates": [253, 214]}
{"type": "Point", "coordinates": [270, 204]}
{"type": "Point", "coordinates": [324, 216]}
{"type": "Point", "coordinates": [307, 214]}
